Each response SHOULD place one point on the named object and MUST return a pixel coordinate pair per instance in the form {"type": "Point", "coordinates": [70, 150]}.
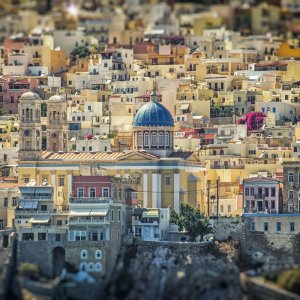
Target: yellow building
{"type": "Point", "coordinates": [285, 50]}
{"type": "Point", "coordinates": [166, 177]}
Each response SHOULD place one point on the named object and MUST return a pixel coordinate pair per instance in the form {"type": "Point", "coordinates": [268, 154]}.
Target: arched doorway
{"type": "Point", "coordinates": [58, 260]}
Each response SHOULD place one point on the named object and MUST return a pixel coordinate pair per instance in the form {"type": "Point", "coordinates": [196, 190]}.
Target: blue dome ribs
{"type": "Point", "coordinates": [153, 114]}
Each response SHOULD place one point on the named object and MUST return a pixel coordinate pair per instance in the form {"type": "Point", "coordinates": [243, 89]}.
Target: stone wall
{"type": "Point", "coordinates": [41, 253]}
{"type": "Point", "coordinates": [267, 243]}
{"type": "Point", "coordinates": [7, 263]}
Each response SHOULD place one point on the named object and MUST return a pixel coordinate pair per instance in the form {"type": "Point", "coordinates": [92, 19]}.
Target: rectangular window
{"type": "Point", "coordinates": [167, 180]}
{"type": "Point", "coordinates": [44, 207]}
{"type": "Point", "coordinates": [112, 215]}
{"type": "Point", "coordinates": [252, 191]}
{"type": "Point", "coordinates": [42, 236]}
{"type": "Point", "coordinates": [221, 209]}
{"type": "Point", "coordinates": [247, 191]}
{"type": "Point", "coordinates": [119, 215]}
{"type": "Point", "coordinates": [92, 192]}
{"type": "Point", "coordinates": [252, 226]}
{"type": "Point", "coordinates": [80, 192]}
{"type": "Point", "coordinates": [57, 237]}
{"type": "Point", "coordinates": [278, 226]}
{"type": "Point", "coordinates": [266, 226]}
{"type": "Point", "coordinates": [105, 192]}
{"type": "Point", "coordinates": [291, 195]}
{"type": "Point", "coordinates": [292, 226]}
{"type": "Point", "coordinates": [267, 192]}
{"type": "Point", "coordinates": [26, 179]}
{"type": "Point", "coordinates": [273, 192]}
{"type": "Point", "coordinates": [291, 177]}
{"type": "Point", "coordinates": [61, 181]}
{"type": "Point", "coordinates": [5, 202]}
{"type": "Point", "coordinates": [229, 208]}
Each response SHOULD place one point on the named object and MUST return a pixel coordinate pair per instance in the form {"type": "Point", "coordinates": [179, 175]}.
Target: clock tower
{"type": "Point", "coordinates": [30, 136]}
{"type": "Point", "coordinates": [57, 125]}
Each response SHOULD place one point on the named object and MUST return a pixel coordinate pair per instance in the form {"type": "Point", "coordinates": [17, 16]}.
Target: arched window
{"type": "Point", "coordinates": [161, 139]}
{"type": "Point", "coordinates": [153, 139]}
{"type": "Point", "coordinates": [98, 254]}
{"type": "Point", "coordinates": [146, 139]}
{"type": "Point", "coordinates": [140, 139]}
{"type": "Point", "coordinates": [82, 267]}
{"type": "Point", "coordinates": [91, 267]}
{"type": "Point", "coordinates": [98, 267]}
{"type": "Point", "coordinates": [83, 254]}
{"type": "Point", "coordinates": [167, 139]}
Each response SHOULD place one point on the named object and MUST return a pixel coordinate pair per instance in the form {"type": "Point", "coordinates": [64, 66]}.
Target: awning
{"type": "Point", "coordinates": [28, 204]}
{"type": "Point", "coordinates": [150, 214]}
{"type": "Point", "coordinates": [39, 220]}
{"type": "Point", "coordinates": [184, 106]}
{"type": "Point", "coordinates": [85, 212]}
{"type": "Point", "coordinates": [16, 125]}
{"type": "Point", "coordinates": [3, 126]}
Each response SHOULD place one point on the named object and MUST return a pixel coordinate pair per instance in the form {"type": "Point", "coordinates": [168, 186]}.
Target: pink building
{"type": "Point", "coordinates": [91, 186]}
{"type": "Point", "coordinates": [262, 194]}
{"type": "Point", "coordinates": [11, 89]}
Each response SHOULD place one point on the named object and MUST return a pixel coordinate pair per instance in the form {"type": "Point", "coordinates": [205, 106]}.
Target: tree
{"type": "Point", "coordinates": [192, 221]}
{"type": "Point", "coordinates": [2, 111]}
{"type": "Point", "coordinates": [79, 52]}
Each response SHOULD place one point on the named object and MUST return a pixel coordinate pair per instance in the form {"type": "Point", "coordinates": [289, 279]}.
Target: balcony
{"type": "Point", "coordinates": [40, 212]}
{"type": "Point", "coordinates": [92, 200]}
{"type": "Point", "coordinates": [259, 197]}
{"type": "Point", "coordinates": [88, 222]}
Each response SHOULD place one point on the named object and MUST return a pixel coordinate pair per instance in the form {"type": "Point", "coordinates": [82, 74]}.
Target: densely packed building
{"type": "Point", "coordinates": [134, 107]}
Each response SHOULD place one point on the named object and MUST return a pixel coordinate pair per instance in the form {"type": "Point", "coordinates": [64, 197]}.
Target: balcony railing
{"type": "Point", "coordinates": [259, 196]}
{"type": "Point", "coordinates": [87, 200]}
{"type": "Point", "coordinates": [39, 212]}
{"type": "Point", "coordinates": [90, 221]}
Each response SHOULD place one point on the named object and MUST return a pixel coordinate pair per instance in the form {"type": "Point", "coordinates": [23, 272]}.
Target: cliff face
{"type": "Point", "coordinates": [148, 270]}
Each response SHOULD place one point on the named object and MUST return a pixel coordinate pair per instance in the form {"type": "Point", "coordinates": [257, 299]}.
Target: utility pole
{"type": "Point", "coordinates": [218, 197]}
{"type": "Point", "coordinates": [208, 196]}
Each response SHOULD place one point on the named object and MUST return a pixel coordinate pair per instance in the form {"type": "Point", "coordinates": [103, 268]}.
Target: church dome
{"type": "Point", "coordinates": [56, 98]}
{"type": "Point", "coordinates": [29, 96]}
{"type": "Point", "coordinates": [153, 114]}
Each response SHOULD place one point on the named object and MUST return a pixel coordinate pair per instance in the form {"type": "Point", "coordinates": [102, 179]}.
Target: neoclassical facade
{"type": "Point", "coordinates": [57, 124]}
{"type": "Point", "coordinates": [153, 128]}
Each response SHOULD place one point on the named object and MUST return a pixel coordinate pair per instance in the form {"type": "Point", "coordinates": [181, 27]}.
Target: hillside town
{"type": "Point", "coordinates": [131, 128]}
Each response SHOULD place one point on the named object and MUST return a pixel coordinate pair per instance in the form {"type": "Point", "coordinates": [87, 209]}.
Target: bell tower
{"type": "Point", "coordinates": [30, 136]}
{"type": "Point", "coordinates": [57, 125]}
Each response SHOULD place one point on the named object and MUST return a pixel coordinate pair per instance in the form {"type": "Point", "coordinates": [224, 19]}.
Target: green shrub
{"type": "Point", "coordinates": [29, 270]}
{"type": "Point", "coordinates": [290, 280]}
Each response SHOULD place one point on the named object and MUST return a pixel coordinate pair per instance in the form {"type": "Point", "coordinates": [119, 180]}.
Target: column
{"type": "Point", "coordinates": [176, 190]}
{"type": "Point", "coordinates": [69, 184]}
{"type": "Point", "coordinates": [156, 189]}
{"type": "Point", "coordinates": [53, 182]}
{"type": "Point", "coordinates": [145, 190]}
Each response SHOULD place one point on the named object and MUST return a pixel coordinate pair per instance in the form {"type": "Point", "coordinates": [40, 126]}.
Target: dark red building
{"type": "Point", "coordinates": [92, 186]}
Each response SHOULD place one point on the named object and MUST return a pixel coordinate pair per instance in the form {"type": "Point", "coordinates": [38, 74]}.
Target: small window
{"type": "Point", "coordinates": [61, 181]}
{"type": "Point", "coordinates": [119, 215]}
{"type": "Point", "coordinates": [278, 226]}
{"type": "Point", "coordinates": [168, 180]}
{"type": "Point", "coordinates": [82, 267]}
{"type": "Point", "coordinates": [292, 226]}
{"type": "Point", "coordinates": [98, 254]}
{"type": "Point", "coordinates": [246, 191]}
{"type": "Point", "coordinates": [83, 254]}
{"type": "Point", "coordinates": [266, 226]}
{"type": "Point", "coordinates": [112, 215]}
{"type": "Point", "coordinates": [252, 226]}
{"type": "Point", "coordinates": [5, 202]}
{"type": "Point", "coordinates": [105, 192]}
{"type": "Point", "coordinates": [91, 267]}
{"type": "Point", "coordinates": [98, 267]}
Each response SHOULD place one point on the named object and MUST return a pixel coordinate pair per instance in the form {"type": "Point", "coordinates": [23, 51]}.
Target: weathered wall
{"type": "Point", "coordinates": [256, 239]}
{"type": "Point", "coordinates": [7, 263]}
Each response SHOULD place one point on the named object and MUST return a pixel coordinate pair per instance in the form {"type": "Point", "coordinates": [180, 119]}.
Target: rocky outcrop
{"type": "Point", "coordinates": [148, 270]}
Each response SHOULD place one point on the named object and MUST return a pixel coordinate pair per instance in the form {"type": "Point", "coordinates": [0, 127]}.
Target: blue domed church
{"type": "Point", "coordinates": [153, 128]}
